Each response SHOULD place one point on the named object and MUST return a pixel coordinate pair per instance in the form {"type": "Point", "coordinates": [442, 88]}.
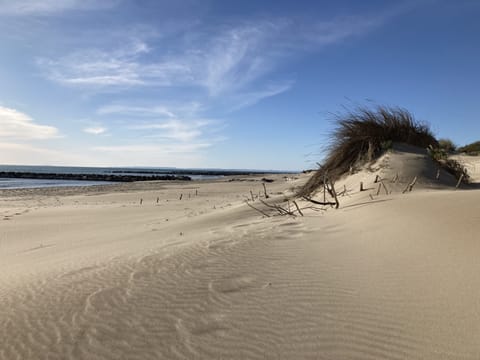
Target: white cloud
{"type": "Point", "coordinates": [17, 125]}
{"type": "Point", "coordinates": [175, 129]}
{"type": "Point", "coordinates": [95, 130]}
{"type": "Point", "coordinates": [135, 110]}
{"type": "Point", "coordinates": [222, 60]}
{"type": "Point", "coordinates": [44, 7]}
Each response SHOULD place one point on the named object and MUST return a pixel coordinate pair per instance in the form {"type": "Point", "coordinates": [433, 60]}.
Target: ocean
{"type": "Point", "coordinates": [20, 183]}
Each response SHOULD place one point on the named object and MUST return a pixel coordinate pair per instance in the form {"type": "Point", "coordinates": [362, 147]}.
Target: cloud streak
{"type": "Point", "coordinates": [17, 125]}
{"type": "Point", "coordinates": [48, 7]}
{"type": "Point", "coordinates": [95, 130]}
{"type": "Point", "coordinates": [221, 60]}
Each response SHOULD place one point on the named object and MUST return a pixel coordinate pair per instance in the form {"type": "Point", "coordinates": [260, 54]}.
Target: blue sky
{"type": "Point", "coordinates": [227, 84]}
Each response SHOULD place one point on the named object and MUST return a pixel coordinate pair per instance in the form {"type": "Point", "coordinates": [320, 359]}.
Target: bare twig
{"type": "Point", "coordinates": [410, 186]}
{"type": "Point", "coordinates": [319, 202]}
{"type": "Point", "coordinates": [337, 204]}
{"type": "Point", "coordinates": [385, 187]}
{"type": "Point", "coordinates": [298, 209]}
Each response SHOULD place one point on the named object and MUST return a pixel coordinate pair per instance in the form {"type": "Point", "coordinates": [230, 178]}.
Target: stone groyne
{"type": "Point", "coordinates": [90, 177]}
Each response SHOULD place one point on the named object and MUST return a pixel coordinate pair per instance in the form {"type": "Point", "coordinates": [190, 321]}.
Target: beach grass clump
{"type": "Point", "coordinates": [447, 145]}
{"type": "Point", "coordinates": [362, 135]}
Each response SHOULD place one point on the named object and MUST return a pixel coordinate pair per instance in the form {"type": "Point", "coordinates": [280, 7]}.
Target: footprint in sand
{"type": "Point", "coordinates": [232, 285]}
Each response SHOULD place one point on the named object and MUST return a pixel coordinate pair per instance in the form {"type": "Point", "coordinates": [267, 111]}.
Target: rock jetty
{"type": "Point", "coordinates": [91, 177]}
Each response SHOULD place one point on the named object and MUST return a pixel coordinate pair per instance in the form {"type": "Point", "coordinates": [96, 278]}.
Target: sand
{"type": "Point", "coordinates": [94, 274]}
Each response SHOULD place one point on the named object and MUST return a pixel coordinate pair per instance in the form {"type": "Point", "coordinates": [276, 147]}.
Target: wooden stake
{"type": "Point", "coordinates": [361, 186]}
{"type": "Point", "coordinates": [265, 191]}
{"type": "Point", "coordinates": [459, 181]}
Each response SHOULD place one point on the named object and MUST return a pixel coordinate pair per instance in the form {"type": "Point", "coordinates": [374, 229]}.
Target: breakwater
{"type": "Point", "coordinates": [90, 177]}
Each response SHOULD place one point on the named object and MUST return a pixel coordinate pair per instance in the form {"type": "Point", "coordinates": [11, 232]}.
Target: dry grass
{"type": "Point", "coordinates": [364, 134]}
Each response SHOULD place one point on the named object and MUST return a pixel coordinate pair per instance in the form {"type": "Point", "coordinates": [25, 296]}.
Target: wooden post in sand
{"type": "Point", "coordinates": [459, 181]}
{"type": "Point", "coordinates": [265, 191]}
{"type": "Point", "coordinates": [361, 186]}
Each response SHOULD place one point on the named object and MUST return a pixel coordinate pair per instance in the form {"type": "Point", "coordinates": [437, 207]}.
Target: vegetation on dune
{"type": "Point", "coordinates": [471, 149]}
{"type": "Point", "coordinates": [447, 145]}
{"type": "Point", "coordinates": [364, 134]}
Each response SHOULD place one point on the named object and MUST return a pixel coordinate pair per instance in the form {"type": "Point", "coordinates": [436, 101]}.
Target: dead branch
{"type": "Point", "coordinates": [410, 186]}
{"type": "Point", "coordinates": [337, 204]}
{"type": "Point", "coordinates": [298, 208]}
{"type": "Point", "coordinates": [318, 202]}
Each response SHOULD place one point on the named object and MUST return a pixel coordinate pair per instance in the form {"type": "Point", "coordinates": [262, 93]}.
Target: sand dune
{"type": "Point", "coordinates": [99, 276]}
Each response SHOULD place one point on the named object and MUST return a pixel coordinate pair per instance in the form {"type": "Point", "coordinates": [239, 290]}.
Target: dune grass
{"type": "Point", "coordinates": [364, 134]}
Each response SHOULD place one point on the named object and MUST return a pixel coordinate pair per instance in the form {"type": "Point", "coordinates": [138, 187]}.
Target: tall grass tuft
{"type": "Point", "coordinates": [362, 135]}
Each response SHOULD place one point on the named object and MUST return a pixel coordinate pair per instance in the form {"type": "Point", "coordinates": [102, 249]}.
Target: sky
{"type": "Point", "coordinates": [225, 84]}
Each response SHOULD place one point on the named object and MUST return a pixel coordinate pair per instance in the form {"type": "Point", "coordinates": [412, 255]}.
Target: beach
{"type": "Point", "coordinates": [190, 271]}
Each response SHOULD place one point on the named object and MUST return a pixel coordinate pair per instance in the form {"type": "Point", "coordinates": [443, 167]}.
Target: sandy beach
{"type": "Point", "coordinates": [113, 273]}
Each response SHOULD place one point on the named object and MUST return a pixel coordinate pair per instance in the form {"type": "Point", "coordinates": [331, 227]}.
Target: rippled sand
{"type": "Point", "coordinates": [98, 276]}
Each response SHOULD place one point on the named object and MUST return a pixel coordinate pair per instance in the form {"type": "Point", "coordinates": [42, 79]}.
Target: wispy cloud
{"type": "Point", "coordinates": [135, 110]}
{"type": "Point", "coordinates": [45, 7]}
{"type": "Point", "coordinates": [175, 129]}
{"type": "Point", "coordinates": [221, 60]}
{"type": "Point", "coordinates": [17, 125]}
{"type": "Point", "coordinates": [95, 130]}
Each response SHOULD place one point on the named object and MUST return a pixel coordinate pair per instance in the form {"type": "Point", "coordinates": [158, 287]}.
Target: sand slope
{"type": "Point", "coordinates": [100, 276]}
